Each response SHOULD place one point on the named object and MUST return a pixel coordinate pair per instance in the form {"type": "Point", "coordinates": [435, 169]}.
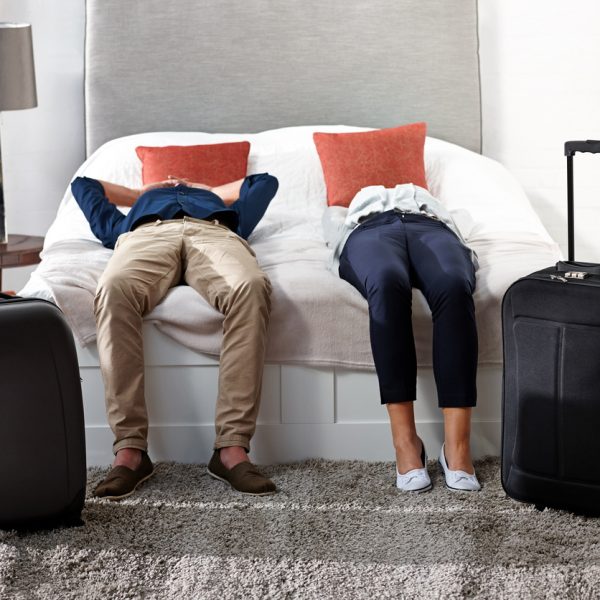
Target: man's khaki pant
{"type": "Point", "coordinates": [222, 268]}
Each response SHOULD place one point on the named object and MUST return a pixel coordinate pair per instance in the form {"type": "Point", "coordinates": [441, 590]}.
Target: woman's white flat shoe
{"type": "Point", "coordinates": [459, 481]}
{"type": "Point", "coordinates": [416, 480]}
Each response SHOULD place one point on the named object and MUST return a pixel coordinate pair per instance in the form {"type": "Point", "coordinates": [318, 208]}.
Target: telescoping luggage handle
{"type": "Point", "coordinates": [592, 146]}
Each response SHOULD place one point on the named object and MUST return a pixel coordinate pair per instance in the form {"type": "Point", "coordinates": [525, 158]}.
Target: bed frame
{"type": "Point", "coordinates": [251, 65]}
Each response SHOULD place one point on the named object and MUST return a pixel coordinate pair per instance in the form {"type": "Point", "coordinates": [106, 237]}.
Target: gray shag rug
{"type": "Point", "coordinates": [335, 530]}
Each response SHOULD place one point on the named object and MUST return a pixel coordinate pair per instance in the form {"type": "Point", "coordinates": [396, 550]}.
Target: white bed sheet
{"type": "Point", "coordinates": [317, 319]}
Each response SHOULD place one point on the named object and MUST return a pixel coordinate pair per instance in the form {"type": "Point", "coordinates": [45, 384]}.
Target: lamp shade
{"type": "Point", "coordinates": [17, 73]}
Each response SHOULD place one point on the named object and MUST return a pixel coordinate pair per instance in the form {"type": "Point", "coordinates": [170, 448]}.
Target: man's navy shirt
{"type": "Point", "coordinates": [108, 222]}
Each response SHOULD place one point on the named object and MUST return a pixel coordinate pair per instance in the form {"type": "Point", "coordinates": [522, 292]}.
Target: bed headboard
{"type": "Point", "coordinates": [250, 65]}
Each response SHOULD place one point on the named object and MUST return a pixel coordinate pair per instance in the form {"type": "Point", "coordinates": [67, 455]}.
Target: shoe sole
{"type": "Point", "coordinates": [422, 490]}
{"type": "Point", "coordinates": [452, 489]}
{"type": "Point", "coordinates": [114, 498]}
{"type": "Point", "coordinates": [214, 476]}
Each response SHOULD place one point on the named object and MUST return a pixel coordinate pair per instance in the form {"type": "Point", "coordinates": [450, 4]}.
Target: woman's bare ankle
{"type": "Point", "coordinates": [458, 457]}
{"type": "Point", "coordinates": [408, 453]}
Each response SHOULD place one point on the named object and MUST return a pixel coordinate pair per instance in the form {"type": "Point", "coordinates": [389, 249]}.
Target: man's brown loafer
{"type": "Point", "coordinates": [244, 477]}
{"type": "Point", "coordinates": [122, 481]}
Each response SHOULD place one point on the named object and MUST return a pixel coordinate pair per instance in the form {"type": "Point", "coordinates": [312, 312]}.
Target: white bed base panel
{"type": "Point", "coordinates": [306, 412]}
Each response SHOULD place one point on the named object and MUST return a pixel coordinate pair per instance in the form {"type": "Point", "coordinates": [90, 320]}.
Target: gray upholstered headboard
{"type": "Point", "coordinates": [250, 65]}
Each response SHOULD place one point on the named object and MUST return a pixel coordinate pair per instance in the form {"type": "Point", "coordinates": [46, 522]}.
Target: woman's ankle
{"type": "Point", "coordinates": [458, 456]}
{"type": "Point", "coordinates": [408, 453]}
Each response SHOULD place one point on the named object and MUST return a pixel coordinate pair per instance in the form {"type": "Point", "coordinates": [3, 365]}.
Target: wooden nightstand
{"type": "Point", "coordinates": [20, 251]}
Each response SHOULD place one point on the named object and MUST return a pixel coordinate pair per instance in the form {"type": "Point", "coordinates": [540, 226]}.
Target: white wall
{"type": "Point", "coordinates": [540, 67]}
{"type": "Point", "coordinates": [42, 147]}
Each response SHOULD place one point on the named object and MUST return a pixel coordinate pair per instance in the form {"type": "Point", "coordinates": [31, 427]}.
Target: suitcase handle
{"type": "Point", "coordinates": [592, 146]}
{"type": "Point", "coordinates": [571, 265]}
{"type": "Point", "coordinates": [571, 148]}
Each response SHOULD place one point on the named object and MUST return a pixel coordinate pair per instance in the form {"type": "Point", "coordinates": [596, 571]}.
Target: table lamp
{"type": "Point", "coordinates": [17, 84]}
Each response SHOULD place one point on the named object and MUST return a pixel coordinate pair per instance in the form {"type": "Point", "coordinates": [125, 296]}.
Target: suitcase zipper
{"type": "Point", "coordinates": [552, 277]}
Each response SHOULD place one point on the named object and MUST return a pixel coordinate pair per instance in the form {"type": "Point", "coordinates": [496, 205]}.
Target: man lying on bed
{"type": "Point", "coordinates": [175, 232]}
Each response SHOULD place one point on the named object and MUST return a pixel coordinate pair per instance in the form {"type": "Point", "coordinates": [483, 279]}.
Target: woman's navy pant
{"type": "Point", "coordinates": [384, 258]}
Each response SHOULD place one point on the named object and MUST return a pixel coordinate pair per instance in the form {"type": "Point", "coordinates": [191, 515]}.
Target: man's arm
{"type": "Point", "coordinates": [228, 192]}
{"type": "Point", "coordinates": [256, 193]}
{"type": "Point", "coordinates": [103, 216]}
{"type": "Point", "coordinates": [120, 195]}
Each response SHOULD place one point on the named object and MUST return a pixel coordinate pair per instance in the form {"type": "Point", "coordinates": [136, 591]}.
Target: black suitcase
{"type": "Point", "coordinates": [42, 438]}
{"type": "Point", "coordinates": [551, 380]}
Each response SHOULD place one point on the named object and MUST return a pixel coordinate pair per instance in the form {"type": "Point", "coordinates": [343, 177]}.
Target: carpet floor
{"type": "Point", "coordinates": [335, 530]}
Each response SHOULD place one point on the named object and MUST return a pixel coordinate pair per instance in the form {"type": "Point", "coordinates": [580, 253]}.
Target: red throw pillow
{"type": "Point", "coordinates": [388, 157]}
{"type": "Point", "coordinates": [213, 164]}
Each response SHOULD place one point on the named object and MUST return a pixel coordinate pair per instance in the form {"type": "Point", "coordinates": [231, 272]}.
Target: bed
{"type": "Point", "coordinates": [320, 395]}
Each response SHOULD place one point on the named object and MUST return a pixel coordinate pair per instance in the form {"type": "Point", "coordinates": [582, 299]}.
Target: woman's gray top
{"type": "Point", "coordinates": [339, 222]}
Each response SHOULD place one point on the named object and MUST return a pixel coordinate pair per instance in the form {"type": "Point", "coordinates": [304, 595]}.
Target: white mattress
{"type": "Point", "coordinates": [317, 319]}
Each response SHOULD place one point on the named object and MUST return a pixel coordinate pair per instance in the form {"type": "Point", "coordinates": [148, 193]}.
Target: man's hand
{"type": "Point", "coordinates": [188, 183]}
{"type": "Point", "coordinates": [228, 192]}
{"type": "Point", "coordinates": [120, 195]}
{"type": "Point", "coordinates": [170, 182]}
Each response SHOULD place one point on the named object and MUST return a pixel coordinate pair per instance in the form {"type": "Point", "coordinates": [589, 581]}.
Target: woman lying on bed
{"type": "Point", "coordinates": [389, 241]}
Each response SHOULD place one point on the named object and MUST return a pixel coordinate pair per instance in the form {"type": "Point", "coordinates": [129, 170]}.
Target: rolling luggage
{"type": "Point", "coordinates": [551, 380]}
{"type": "Point", "coordinates": [42, 439]}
